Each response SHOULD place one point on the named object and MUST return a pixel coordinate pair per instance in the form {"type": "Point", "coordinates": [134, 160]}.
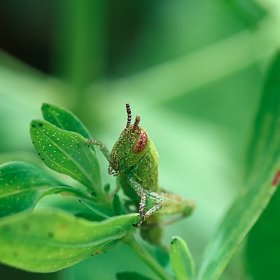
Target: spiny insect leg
{"type": "Point", "coordinates": [153, 210]}
{"type": "Point", "coordinates": [142, 206]}
{"type": "Point", "coordinates": [105, 151]}
{"type": "Point", "coordinates": [174, 204]}
{"type": "Point", "coordinates": [144, 194]}
{"type": "Point", "coordinates": [148, 214]}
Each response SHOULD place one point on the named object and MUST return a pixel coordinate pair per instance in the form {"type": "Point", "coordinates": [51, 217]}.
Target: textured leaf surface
{"type": "Point", "coordinates": [48, 240]}
{"type": "Point", "coordinates": [23, 184]}
{"type": "Point", "coordinates": [64, 119]}
{"type": "Point", "coordinates": [181, 259]}
{"type": "Point", "coordinates": [262, 179]}
{"type": "Point", "coordinates": [68, 153]}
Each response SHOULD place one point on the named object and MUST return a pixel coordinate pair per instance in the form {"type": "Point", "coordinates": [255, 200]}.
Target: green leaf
{"type": "Point", "coordinates": [263, 244]}
{"type": "Point", "coordinates": [131, 275]}
{"type": "Point", "coordinates": [60, 241]}
{"type": "Point", "coordinates": [117, 205]}
{"type": "Point", "coordinates": [22, 185]}
{"type": "Point", "coordinates": [64, 119]}
{"type": "Point", "coordinates": [67, 152]}
{"type": "Point", "coordinates": [181, 259]}
{"type": "Point", "coordinates": [106, 188]}
{"type": "Point", "coordinates": [95, 208]}
{"type": "Point", "coordinates": [262, 179]}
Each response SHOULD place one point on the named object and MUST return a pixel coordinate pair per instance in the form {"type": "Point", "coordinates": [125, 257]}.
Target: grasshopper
{"type": "Point", "coordinates": [134, 160]}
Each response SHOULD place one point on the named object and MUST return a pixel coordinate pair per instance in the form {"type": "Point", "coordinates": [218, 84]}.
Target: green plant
{"type": "Point", "coordinates": [52, 237]}
{"type": "Point", "coordinates": [134, 159]}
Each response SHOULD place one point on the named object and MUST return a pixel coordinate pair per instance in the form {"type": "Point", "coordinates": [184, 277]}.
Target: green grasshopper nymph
{"type": "Point", "coordinates": [134, 160]}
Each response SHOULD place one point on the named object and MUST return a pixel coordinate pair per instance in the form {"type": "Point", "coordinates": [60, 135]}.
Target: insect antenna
{"type": "Point", "coordinates": [128, 111]}
{"type": "Point", "coordinates": [135, 126]}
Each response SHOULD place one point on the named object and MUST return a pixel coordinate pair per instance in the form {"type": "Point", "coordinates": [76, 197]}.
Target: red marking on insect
{"type": "Point", "coordinates": [141, 142]}
{"type": "Point", "coordinates": [276, 179]}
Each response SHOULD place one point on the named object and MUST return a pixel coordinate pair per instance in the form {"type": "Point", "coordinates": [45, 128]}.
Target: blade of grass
{"type": "Point", "coordinates": [263, 178]}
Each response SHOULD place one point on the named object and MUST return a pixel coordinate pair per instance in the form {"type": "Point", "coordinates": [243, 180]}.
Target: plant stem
{"type": "Point", "coordinates": [79, 45]}
{"type": "Point", "coordinates": [148, 259]}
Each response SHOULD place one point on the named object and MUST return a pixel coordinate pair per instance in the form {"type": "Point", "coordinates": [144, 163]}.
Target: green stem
{"type": "Point", "coordinates": [148, 259]}
{"type": "Point", "coordinates": [79, 45]}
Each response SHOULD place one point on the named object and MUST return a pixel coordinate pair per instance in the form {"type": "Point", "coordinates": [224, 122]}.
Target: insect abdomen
{"type": "Point", "coordinates": [145, 173]}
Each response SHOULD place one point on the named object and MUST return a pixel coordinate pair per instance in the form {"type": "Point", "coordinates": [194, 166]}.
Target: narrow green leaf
{"type": "Point", "coordinates": [131, 275]}
{"type": "Point", "coordinates": [262, 180]}
{"type": "Point", "coordinates": [265, 139]}
{"type": "Point", "coordinates": [263, 244]}
{"type": "Point", "coordinates": [106, 188]}
{"type": "Point", "coordinates": [117, 205]}
{"type": "Point", "coordinates": [95, 208]}
{"type": "Point", "coordinates": [64, 119]}
{"type": "Point", "coordinates": [67, 152]}
{"type": "Point", "coordinates": [181, 259]}
{"type": "Point", "coordinates": [49, 240]}
{"type": "Point", "coordinates": [22, 185]}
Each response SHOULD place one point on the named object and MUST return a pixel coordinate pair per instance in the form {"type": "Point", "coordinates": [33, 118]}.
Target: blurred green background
{"type": "Point", "coordinates": [193, 70]}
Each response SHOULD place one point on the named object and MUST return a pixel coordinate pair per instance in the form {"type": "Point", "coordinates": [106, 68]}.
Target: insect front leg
{"type": "Point", "coordinates": [105, 151]}
{"type": "Point", "coordinates": [146, 194]}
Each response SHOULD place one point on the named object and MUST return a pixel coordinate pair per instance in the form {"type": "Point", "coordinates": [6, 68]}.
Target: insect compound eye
{"type": "Point", "coordinates": [141, 142]}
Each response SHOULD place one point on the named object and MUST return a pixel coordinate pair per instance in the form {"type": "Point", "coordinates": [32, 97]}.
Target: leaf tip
{"type": "Point", "coordinates": [45, 105]}
{"type": "Point", "coordinates": [173, 240]}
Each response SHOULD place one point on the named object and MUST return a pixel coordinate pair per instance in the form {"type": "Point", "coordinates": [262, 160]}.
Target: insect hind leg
{"type": "Point", "coordinates": [176, 204]}
{"type": "Point", "coordinates": [145, 215]}
{"type": "Point", "coordinates": [145, 194]}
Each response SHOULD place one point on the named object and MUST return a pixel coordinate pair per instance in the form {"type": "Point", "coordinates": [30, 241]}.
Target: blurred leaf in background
{"type": "Point", "coordinates": [193, 70]}
{"type": "Point", "coordinates": [263, 241]}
